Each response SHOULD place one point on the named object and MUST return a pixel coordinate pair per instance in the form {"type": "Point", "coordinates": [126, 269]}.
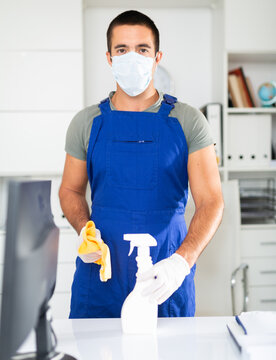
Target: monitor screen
{"type": "Point", "coordinates": [30, 262]}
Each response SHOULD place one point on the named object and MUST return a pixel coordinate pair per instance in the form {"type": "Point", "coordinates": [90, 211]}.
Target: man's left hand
{"type": "Point", "coordinates": [166, 275]}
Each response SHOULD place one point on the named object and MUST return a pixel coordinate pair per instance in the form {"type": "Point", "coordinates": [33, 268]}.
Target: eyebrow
{"type": "Point", "coordinates": [125, 46]}
{"type": "Point", "coordinates": [144, 45]}
{"type": "Point", "coordinates": [120, 46]}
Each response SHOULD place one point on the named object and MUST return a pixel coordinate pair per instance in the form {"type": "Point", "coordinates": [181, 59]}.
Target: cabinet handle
{"type": "Point", "coordinates": [266, 301]}
{"type": "Point", "coordinates": [268, 272]}
{"type": "Point", "coordinates": [268, 243]}
{"type": "Point", "coordinates": [244, 268]}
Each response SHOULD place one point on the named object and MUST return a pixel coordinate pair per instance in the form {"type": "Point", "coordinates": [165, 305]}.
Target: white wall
{"type": "Point", "coordinates": [186, 42]}
{"type": "Point", "coordinates": [250, 25]}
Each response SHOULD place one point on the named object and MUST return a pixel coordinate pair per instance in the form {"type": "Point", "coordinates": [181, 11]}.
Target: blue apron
{"type": "Point", "coordinates": [137, 170]}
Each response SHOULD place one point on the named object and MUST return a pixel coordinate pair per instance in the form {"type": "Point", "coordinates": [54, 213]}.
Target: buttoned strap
{"type": "Point", "coordinates": [167, 104]}
{"type": "Point", "coordinates": [104, 105]}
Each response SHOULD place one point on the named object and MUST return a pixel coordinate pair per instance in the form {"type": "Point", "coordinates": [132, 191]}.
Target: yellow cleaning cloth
{"type": "Point", "coordinates": [91, 244]}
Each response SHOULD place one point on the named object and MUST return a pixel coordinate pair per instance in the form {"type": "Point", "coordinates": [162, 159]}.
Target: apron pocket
{"type": "Point", "coordinates": [132, 164]}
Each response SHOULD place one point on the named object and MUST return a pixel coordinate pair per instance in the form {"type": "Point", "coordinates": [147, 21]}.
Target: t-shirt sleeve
{"type": "Point", "coordinates": [196, 128]}
{"type": "Point", "coordinates": [199, 132]}
{"type": "Point", "coordinates": [75, 141]}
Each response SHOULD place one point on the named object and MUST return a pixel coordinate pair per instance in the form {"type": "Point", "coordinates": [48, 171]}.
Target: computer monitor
{"type": "Point", "coordinates": [30, 266]}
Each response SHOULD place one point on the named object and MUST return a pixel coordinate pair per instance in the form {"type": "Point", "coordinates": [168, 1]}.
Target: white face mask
{"type": "Point", "coordinates": [133, 72]}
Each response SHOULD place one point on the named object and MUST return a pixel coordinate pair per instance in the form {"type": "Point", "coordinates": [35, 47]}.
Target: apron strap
{"type": "Point", "coordinates": [96, 127]}
{"type": "Point", "coordinates": [105, 106]}
{"type": "Point", "coordinates": [167, 104]}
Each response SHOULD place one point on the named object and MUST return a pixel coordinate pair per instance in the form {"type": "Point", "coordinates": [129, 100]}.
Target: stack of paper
{"type": "Point", "coordinates": [255, 334]}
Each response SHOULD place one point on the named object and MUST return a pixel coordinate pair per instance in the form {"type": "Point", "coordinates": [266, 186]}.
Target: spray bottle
{"type": "Point", "coordinates": [139, 314]}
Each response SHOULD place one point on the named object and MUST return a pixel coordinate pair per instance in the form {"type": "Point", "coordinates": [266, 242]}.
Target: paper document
{"type": "Point", "coordinates": [252, 331]}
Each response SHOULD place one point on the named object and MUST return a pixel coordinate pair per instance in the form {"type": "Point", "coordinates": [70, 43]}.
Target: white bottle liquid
{"type": "Point", "coordinates": [139, 315]}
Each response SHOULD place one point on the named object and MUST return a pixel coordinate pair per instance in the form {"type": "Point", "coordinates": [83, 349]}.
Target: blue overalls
{"type": "Point", "coordinates": [137, 170]}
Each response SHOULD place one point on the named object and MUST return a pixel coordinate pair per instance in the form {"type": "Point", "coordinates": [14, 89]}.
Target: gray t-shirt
{"type": "Point", "coordinates": [194, 124]}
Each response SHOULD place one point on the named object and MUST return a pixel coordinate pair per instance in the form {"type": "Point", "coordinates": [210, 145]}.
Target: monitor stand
{"type": "Point", "coordinates": [46, 347]}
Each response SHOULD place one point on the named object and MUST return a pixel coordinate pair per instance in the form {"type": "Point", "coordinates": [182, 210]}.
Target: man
{"type": "Point", "coordinates": [138, 149]}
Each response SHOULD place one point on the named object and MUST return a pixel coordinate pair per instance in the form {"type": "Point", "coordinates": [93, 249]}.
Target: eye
{"type": "Point", "coordinates": [120, 51]}
{"type": "Point", "coordinates": [144, 50]}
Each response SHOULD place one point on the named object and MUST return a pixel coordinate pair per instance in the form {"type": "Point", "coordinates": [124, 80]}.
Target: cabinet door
{"type": "Point", "coordinates": [262, 298]}
{"type": "Point", "coordinates": [250, 25]}
{"type": "Point", "coordinates": [60, 305]}
{"type": "Point", "coordinates": [33, 142]}
{"type": "Point", "coordinates": [258, 242]}
{"type": "Point", "coordinates": [65, 273]}
{"type": "Point", "coordinates": [39, 24]}
{"type": "Point", "coordinates": [67, 251]}
{"type": "Point", "coordinates": [39, 81]}
{"type": "Point", "coordinates": [219, 259]}
{"type": "Point", "coordinates": [261, 271]}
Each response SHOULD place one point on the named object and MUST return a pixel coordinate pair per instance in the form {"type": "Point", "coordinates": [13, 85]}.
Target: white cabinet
{"type": "Point", "coordinates": [248, 135]}
{"type": "Point", "coordinates": [216, 263]}
{"type": "Point", "coordinates": [60, 302]}
{"type": "Point", "coordinates": [39, 24]}
{"type": "Point", "coordinates": [60, 305]}
{"type": "Point", "coordinates": [41, 89]}
{"type": "Point", "coordinates": [262, 271]}
{"type": "Point", "coordinates": [65, 274]}
{"type": "Point", "coordinates": [258, 251]}
{"type": "Point", "coordinates": [258, 242]}
{"type": "Point", "coordinates": [41, 81]}
{"type": "Point", "coordinates": [33, 142]}
{"type": "Point", "coordinates": [67, 246]}
{"type": "Point", "coordinates": [262, 298]}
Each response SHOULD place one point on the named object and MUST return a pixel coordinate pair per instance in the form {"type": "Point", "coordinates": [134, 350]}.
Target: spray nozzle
{"type": "Point", "coordinates": [141, 241]}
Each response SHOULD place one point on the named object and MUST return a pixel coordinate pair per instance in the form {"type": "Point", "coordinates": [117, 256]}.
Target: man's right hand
{"type": "Point", "coordinates": [91, 257]}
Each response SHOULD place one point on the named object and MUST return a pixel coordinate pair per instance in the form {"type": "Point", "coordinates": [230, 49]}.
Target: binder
{"type": "Point", "coordinates": [213, 113]}
{"type": "Point", "coordinates": [248, 140]}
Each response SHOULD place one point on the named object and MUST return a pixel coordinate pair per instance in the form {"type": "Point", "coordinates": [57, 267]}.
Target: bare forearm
{"type": "Point", "coordinates": [75, 208]}
{"type": "Point", "coordinates": [203, 226]}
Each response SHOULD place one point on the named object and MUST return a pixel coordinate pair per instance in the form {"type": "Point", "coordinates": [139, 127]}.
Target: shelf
{"type": "Point", "coordinates": [151, 4]}
{"type": "Point", "coordinates": [254, 56]}
{"type": "Point", "coordinates": [63, 230]}
{"type": "Point", "coordinates": [257, 110]}
{"type": "Point", "coordinates": [257, 169]}
{"type": "Point", "coordinates": [30, 175]}
{"type": "Point", "coordinates": [258, 226]}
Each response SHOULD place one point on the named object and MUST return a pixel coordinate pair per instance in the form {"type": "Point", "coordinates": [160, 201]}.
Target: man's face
{"type": "Point", "coordinates": [138, 38]}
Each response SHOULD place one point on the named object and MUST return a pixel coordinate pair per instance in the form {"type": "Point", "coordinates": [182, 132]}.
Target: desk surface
{"type": "Point", "coordinates": [177, 338]}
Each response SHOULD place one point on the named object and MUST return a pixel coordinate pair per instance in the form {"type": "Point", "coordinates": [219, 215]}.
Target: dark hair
{"type": "Point", "coordinates": [133, 17]}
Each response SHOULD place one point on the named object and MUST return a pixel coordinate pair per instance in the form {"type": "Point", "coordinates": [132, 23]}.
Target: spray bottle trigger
{"type": "Point", "coordinates": [131, 249]}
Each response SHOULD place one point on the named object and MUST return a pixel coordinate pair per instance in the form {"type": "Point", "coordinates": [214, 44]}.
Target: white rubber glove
{"type": "Point", "coordinates": [166, 276]}
{"type": "Point", "coordinates": [94, 256]}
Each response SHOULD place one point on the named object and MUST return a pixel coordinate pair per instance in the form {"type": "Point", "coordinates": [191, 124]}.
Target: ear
{"type": "Point", "coordinates": [157, 60]}
{"type": "Point", "coordinates": [108, 56]}
{"type": "Point", "coordinates": [158, 57]}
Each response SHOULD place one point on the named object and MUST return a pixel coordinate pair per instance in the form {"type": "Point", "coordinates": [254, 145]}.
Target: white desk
{"type": "Point", "coordinates": [177, 338]}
